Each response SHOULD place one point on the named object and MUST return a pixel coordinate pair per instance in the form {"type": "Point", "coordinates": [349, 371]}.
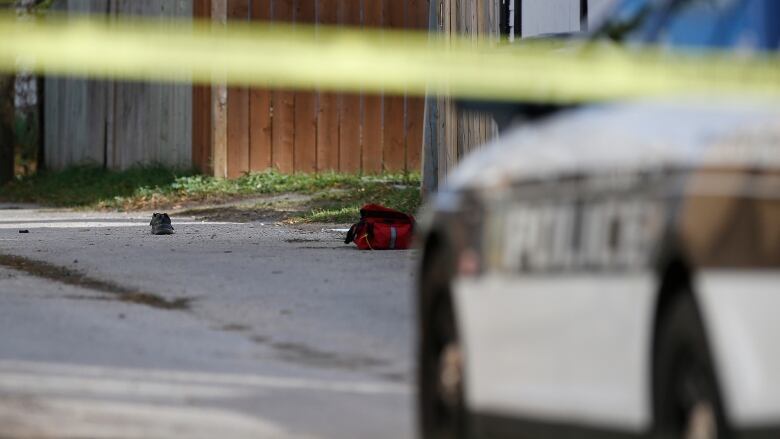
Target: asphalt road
{"type": "Point", "coordinates": [221, 330]}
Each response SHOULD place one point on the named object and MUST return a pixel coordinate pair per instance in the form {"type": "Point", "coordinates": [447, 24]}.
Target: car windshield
{"type": "Point", "coordinates": [630, 21]}
{"type": "Point", "coordinates": [743, 24]}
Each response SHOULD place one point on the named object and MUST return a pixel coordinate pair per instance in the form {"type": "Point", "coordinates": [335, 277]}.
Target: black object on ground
{"type": "Point", "coordinates": [24, 231]}
{"type": "Point", "coordinates": [161, 224]}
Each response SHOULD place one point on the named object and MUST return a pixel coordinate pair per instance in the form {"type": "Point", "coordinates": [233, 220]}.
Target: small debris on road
{"type": "Point", "coordinates": [24, 231]}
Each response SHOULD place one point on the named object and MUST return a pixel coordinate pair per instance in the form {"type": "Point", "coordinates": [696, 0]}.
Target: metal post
{"type": "Point", "coordinates": [583, 15]}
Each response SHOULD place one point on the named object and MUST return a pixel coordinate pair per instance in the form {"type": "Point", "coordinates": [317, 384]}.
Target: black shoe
{"type": "Point", "coordinates": [161, 224]}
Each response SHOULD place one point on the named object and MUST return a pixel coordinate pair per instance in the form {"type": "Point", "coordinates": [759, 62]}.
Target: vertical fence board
{"type": "Point", "coordinates": [152, 124]}
{"type": "Point", "coordinates": [373, 104]}
{"type": "Point", "coordinates": [183, 128]}
{"type": "Point", "coordinates": [125, 111]}
{"type": "Point", "coordinates": [238, 108]}
{"type": "Point", "coordinates": [201, 105]}
{"type": "Point", "coordinates": [238, 131]}
{"type": "Point", "coordinates": [201, 128]}
{"type": "Point", "coordinates": [260, 128]}
{"type": "Point", "coordinates": [283, 116]}
{"type": "Point", "coordinates": [350, 151]}
{"type": "Point", "coordinates": [416, 18]}
{"type": "Point", "coordinates": [158, 150]}
{"type": "Point", "coordinates": [283, 131]}
{"type": "Point", "coordinates": [305, 106]}
{"type": "Point", "coordinates": [481, 29]}
{"type": "Point", "coordinates": [395, 106]}
{"type": "Point", "coordinates": [328, 113]}
{"type": "Point", "coordinates": [181, 104]}
{"type": "Point", "coordinates": [443, 104]}
{"type": "Point", "coordinates": [414, 132]}
{"type": "Point", "coordinates": [92, 114]}
{"type": "Point", "coordinates": [110, 159]}
{"type": "Point", "coordinates": [452, 116]}
{"type": "Point", "coordinates": [472, 122]}
{"type": "Point", "coordinates": [127, 97]}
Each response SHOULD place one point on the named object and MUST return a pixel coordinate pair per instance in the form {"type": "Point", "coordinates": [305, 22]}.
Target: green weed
{"type": "Point", "coordinates": [335, 197]}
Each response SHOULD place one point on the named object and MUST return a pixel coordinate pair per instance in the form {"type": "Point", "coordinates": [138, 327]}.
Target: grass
{"type": "Point", "coordinates": [334, 197]}
{"type": "Point", "coordinates": [88, 187]}
{"type": "Point", "coordinates": [344, 206]}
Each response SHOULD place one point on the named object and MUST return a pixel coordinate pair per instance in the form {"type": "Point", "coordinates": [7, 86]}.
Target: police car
{"type": "Point", "coordinates": [614, 270]}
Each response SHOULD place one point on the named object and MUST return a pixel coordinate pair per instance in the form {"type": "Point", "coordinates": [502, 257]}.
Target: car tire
{"type": "Point", "coordinates": [686, 399]}
{"type": "Point", "coordinates": [441, 406]}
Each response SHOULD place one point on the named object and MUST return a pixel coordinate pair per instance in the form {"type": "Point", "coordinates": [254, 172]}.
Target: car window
{"type": "Point", "coordinates": [703, 23]}
{"type": "Point", "coordinates": [631, 21]}
{"type": "Point", "coordinates": [738, 24]}
{"type": "Point", "coordinates": [753, 25]}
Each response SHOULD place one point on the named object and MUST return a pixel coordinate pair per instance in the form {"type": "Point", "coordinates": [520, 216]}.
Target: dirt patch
{"type": "Point", "coordinates": [303, 354]}
{"type": "Point", "coordinates": [397, 377]}
{"type": "Point", "coordinates": [235, 327]}
{"type": "Point", "coordinates": [300, 353]}
{"type": "Point", "coordinates": [89, 298]}
{"type": "Point", "coordinates": [240, 214]}
{"type": "Point", "coordinates": [276, 208]}
{"type": "Point", "coordinates": [289, 208]}
{"type": "Point", "coordinates": [71, 277]}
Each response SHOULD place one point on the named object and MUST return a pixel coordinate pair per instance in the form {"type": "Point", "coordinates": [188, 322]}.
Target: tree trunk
{"type": "Point", "coordinates": [6, 128]}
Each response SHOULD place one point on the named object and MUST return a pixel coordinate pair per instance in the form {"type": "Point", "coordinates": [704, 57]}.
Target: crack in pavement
{"type": "Point", "coordinates": [71, 277]}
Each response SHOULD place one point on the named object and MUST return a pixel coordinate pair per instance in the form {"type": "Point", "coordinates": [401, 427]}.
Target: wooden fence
{"type": "Point", "coordinates": [118, 124]}
{"type": "Point", "coordinates": [236, 130]}
{"type": "Point", "coordinates": [226, 132]}
{"type": "Point", "coordinates": [451, 134]}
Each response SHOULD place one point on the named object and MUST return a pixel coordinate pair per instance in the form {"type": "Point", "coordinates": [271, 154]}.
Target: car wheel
{"type": "Point", "coordinates": [687, 402]}
{"type": "Point", "coordinates": [440, 368]}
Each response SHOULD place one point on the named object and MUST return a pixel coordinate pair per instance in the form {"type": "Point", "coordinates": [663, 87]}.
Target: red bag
{"type": "Point", "coordinates": [381, 228]}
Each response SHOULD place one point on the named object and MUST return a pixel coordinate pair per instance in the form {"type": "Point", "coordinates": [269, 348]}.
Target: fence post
{"type": "Point", "coordinates": [448, 134]}
{"type": "Point", "coordinates": [430, 157]}
{"type": "Point", "coordinates": [219, 114]}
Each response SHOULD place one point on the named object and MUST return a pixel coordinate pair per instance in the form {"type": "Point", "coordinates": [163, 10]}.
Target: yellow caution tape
{"type": "Point", "coordinates": [307, 57]}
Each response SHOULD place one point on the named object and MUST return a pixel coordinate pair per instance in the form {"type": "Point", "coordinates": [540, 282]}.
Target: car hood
{"type": "Point", "coordinates": [628, 138]}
